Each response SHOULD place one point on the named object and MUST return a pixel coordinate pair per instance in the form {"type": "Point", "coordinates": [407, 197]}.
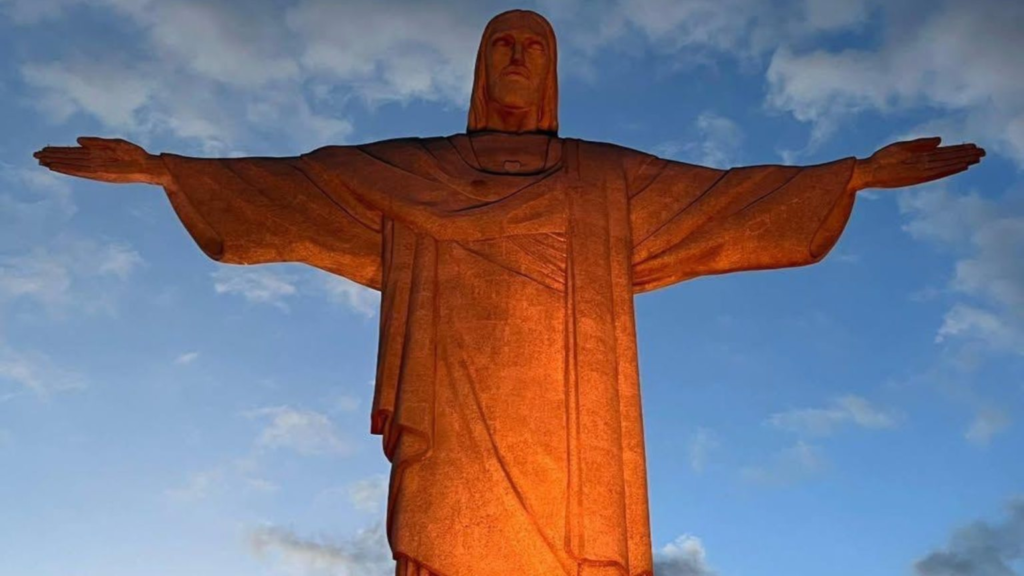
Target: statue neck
{"type": "Point", "coordinates": [513, 120]}
{"type": "Point", "coordinates": [505, 153]}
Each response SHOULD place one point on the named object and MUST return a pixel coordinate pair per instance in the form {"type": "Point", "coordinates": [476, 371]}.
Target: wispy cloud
{"type": "Point", "coordinates": [787, 466]}
{"type": "Point", "coordinates": [69, 273]}
{"type": "Point", "coordinates": [186, 358]}
{"type": "Point", "coordinates": [716, 141]}
{"type": "Point", "coordinates": [228, 477]}
{"type": "Point", "coordinates": [844, 411]}
{"type": "Point", "coordinates": [258, 285]}
{"type": "Point", "coordinates": [35, 373]}
{"type": "Point", "coordinates": [985, 319]}
{"type": "Point", "coordinates": [701, 444]}
{"type": "Point", "coordinates": [365, 554]}
{"type": "Point", "coordinates": [348, 294]}
{"type": "Point", "coordinates": [303, 431]}
{"type": "Point", "coordinates": [369, 494]}
{"type": "Point", "coordinates": [198, 486]}
{"type": "Point", "coordinates": [987, 237]}
{"type": "Point", "coordinates": [33, 201]}
{"type": "Point", "coordinates": [988, 422]}
{"type": "Point", "coordinates": [275, 286]}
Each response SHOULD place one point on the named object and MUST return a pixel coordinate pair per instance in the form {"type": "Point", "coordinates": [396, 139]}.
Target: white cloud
{"type": "Point", "coordinates": [54, 271]}
{"type": "Point", "coordinates": [222, 72]}
{"type": "Point", "coordinates": [227, 72]}
{"type": "Point", "coordinates": [691, 31]}
{"type": "Point", "coordinates": [717, 142]}
{"type": "Point", "coordinates": [111, 91]}
{"type": "Point", "coordinates": [270, 285]}
{"type": "Point", "coordinates": [968, 323]}
{"type": "Point", "coordinates": [241, 44]}
{"type": "Point", "coordinates": [987, 237]}
{"type": "Point", "coordinates": [347, 293]}
{"type": "Point", "coordinates": [31, 199]}
{"type": "Point", "coordinates": [258, 285]}
{"type": "Point", "coordinates": [70, 271]}
{"type": "Point", "coordinates": [787, 466]}
{"type": "Point", "coordinates": [346, 403]}
{"type": "Point", "coordinates": [304, 431]}
{"type": "Point", "coordinates": [198, 486]}
{"type": "Point", "coordinates": [702, 443]}
{"type": "Point", "coordinates": [369, 494]}
{"type": "Point", "coordinates": [938, 215]}
{"type": "Point", "coordinates": [391, 51]}
{"type": "Point", "coordinates": [35, 373]}
{"type": "Point", "coordinates": [980, 548]}
{"type": "Point", "coordinates": [846, 410]}
{"type": "Point", "coordinates": [935, 60]}
{"type": "Point", "coordinates": [366, 554]}
{"type": "Point", "coordinates": [988, 422]}
{"type": "Point", "coordinates": [261, 485]}
{"type": "Point", "coordinates": [186, 358]}
{"type": "Point", "coordinates": [684, 556]}
{"type": "Point", "coordinates": [226, 478]}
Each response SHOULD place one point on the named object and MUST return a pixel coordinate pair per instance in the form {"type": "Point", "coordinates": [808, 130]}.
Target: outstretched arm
{"type": "Point", "coordinates": [243, 210]}
{"type": "Point", "coordinates": [690, 221]}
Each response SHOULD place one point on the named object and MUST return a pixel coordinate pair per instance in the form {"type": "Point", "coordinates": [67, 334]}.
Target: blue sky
{"type": "Point", "coordinates": [160, 413]}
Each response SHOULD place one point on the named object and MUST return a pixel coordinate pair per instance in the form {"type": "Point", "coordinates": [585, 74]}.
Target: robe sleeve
{"type": "Point", "coordinates": [262, 210]}
{"type": "Point", "coordinates": [689, 221]}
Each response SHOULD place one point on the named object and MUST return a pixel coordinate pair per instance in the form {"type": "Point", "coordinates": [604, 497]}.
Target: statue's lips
{"type": "Point", "coordinates": [516, 72]}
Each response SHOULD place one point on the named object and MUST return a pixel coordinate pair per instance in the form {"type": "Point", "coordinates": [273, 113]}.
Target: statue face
{"type": "Point", "coordinates": [517, 64]}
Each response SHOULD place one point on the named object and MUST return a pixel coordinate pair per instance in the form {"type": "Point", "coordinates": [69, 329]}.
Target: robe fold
{"type": "Point", "coordinates": [507, 389]}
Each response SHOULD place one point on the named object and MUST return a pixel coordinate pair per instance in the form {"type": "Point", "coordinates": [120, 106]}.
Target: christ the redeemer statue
{"type": "Point", "coordinates": [508, 257]}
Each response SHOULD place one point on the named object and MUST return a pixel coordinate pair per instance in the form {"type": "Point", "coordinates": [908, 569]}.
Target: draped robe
{"type": "Point", "coordinates": [507, 390]}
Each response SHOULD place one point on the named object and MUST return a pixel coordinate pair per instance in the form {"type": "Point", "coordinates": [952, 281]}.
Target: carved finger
{"type": "Point", "coordinates": [953, 162]}
{"type": "Point", "coordinates": [960, 148]}
{"type": "Point", "coordinates": [83, 163]}
{"type": "Point", "coordinates": [62, 149]}
{"type": "Point", "coordinates": [934, 159]}
{"type": "Point", "coordinates": [948, 171]}
{"type": "Point", "coordinates": [95, 142]}
{"type": "Point", "coordinates": [73, 153]}
{"type": "Point", "coordinates": [941, 169]}
{"type": "Point", "coordinates": [70, 169]}
{"type": "Point", "coordinates": [101, 175]}
{"type": "Point", "coordinates": [923, 144]}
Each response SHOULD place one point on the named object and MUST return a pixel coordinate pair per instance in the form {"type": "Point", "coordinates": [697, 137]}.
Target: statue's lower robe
{"type": "Point", "coordinates": [507, 388]}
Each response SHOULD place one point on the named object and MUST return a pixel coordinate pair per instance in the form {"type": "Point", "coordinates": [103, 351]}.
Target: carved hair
{"type": "Point", "coordinates": [547, 111]}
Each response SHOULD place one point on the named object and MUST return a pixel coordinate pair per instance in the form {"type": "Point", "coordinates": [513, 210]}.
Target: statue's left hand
{"type": "Point", "coordinates": [913, 162]}
{"type": "Point", "coordinates": [106, 160]}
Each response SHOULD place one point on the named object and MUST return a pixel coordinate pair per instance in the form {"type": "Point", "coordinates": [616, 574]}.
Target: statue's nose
{"type": "Point", "coordinates": [517, 53]}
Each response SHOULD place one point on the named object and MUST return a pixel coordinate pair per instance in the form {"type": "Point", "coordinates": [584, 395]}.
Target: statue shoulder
{"type": "Point", "coordinates": [608, 150]}
{"type": "Point", "coordinates": [394, 149]}
{"type": "Point", "coordinates": [617, 157]}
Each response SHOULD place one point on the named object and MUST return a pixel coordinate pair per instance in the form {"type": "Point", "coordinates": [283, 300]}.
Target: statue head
{"type": "Point", "coordinates": [515, 85]}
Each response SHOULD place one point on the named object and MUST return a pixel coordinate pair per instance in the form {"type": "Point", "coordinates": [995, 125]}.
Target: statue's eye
{"type": "Point", "coordinates": [502, 42]}
{"type": "Point", "coordinates": [535, 45]}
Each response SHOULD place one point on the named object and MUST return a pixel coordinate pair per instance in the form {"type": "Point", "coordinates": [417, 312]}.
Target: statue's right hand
{"type": "Point", "coordinates": [106, 160]}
